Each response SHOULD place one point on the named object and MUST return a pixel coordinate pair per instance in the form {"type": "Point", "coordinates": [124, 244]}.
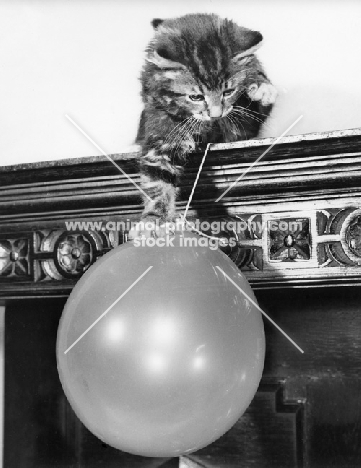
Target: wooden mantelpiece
{"type": "Point", "coordinates": [306, 412]}
{"type": "Point", "coordinates": [312, 180]}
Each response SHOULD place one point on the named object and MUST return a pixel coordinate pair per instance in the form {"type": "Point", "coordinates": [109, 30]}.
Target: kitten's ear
{"type": "Point", "coordinates": [156, 22]}
{"type": "Point", "coordinates": [162, 59]}
{"type": "Point", "coordinates": [248, 43]}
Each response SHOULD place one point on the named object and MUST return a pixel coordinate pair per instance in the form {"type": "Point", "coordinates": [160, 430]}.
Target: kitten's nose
{"type": "Point", "coordinates": [215, 112]}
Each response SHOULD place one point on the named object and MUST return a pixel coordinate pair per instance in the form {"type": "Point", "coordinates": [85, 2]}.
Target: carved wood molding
{"type": "Point", "coordinates": [295, 218]}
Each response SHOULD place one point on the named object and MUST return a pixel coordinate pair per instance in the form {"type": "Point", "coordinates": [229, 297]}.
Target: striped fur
{"type": "Point", "coordinates": [198, 81]}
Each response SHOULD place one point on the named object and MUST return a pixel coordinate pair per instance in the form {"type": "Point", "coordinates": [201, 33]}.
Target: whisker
{"type": "Point", "coordinates": [177, 139]}
{"type": "Point", "coordinates": [257, 119]}
{"type": "Point", "coordinates": [180, 128]}
{"type": "Point", "coordinates": [261, 121]}
{"type": "Point", "coordinates": [189, 130]}
{"type": "Point", "coordinates": [244, 113]}
{"type": "Point", "coordinates": [183, 133]}
{"type": "Point", "coordinates": [174, 129]}
{"type": "Point", "coordinates": [244, 131]}
{"type": "Point", "coordinates": [237, 131]}
{"type": "Point", "coordinates": [194, 124]}
{"type": "Point", "coordinates": [237, 126]}
{"type": "Point", "coordinates": [196, 130]}
{"type": "Point", "coordinates": [250, 110]}
{"type": "Point", "coordinates": [247, 117]}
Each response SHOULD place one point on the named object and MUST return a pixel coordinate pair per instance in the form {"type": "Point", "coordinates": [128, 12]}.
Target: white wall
{"type": "Point", "coordinates": [84, 57]}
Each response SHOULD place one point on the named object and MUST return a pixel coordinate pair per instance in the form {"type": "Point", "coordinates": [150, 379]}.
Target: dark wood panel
{"type": "Point", "coordinates": [269, 434]}
{"type": "Point", "coordinates": [33, 395]}
{"type": "Point", "coordinates": [41, 430]}
{"type": "Point", "coordinates": [334, 422]}
{"type": "Point", "coordinates": [326, 323]}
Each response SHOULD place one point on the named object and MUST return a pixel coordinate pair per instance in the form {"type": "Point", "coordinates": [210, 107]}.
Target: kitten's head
{"type": "Point", "coordinates": [197, 64]}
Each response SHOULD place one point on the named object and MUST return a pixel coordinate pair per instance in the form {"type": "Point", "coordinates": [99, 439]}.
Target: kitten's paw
{"type": "Point", "coordinates": [266, 93]}
{"type": "Point", "coordinates": [151, 228]}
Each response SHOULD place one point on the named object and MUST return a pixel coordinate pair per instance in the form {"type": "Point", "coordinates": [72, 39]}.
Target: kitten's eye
{"type": "Point", "coordinates": [196, 97]}
{"type": "Point", "coordinates": [228, 92]}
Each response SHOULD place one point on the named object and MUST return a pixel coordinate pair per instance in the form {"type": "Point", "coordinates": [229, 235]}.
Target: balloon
{"type": "Point", "coordinates": [174, 363]}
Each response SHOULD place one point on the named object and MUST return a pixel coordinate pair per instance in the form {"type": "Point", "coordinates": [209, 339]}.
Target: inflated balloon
{"type": "Point", "coordinates": [164, 366]}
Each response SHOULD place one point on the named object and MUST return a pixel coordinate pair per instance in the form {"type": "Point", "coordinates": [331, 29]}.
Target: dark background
{"type": "Point", "coordinates": [307, 412]}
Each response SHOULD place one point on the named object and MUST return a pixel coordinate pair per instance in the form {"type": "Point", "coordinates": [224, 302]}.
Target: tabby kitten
{"type": "Point", "coordinates": [201, 83]}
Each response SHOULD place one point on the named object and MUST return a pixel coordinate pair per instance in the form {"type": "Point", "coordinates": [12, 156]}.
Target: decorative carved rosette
{"type": "Point", "coordinates": [14, 258]}
{"type": "Point", "coordinates": [351, 236]}
{"type": "Point", "coordinates": [72, 252]}
{"type": "Point", "coordinates": [290, 239]}
{"type": "Point", "coordinates": [345, 225]}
